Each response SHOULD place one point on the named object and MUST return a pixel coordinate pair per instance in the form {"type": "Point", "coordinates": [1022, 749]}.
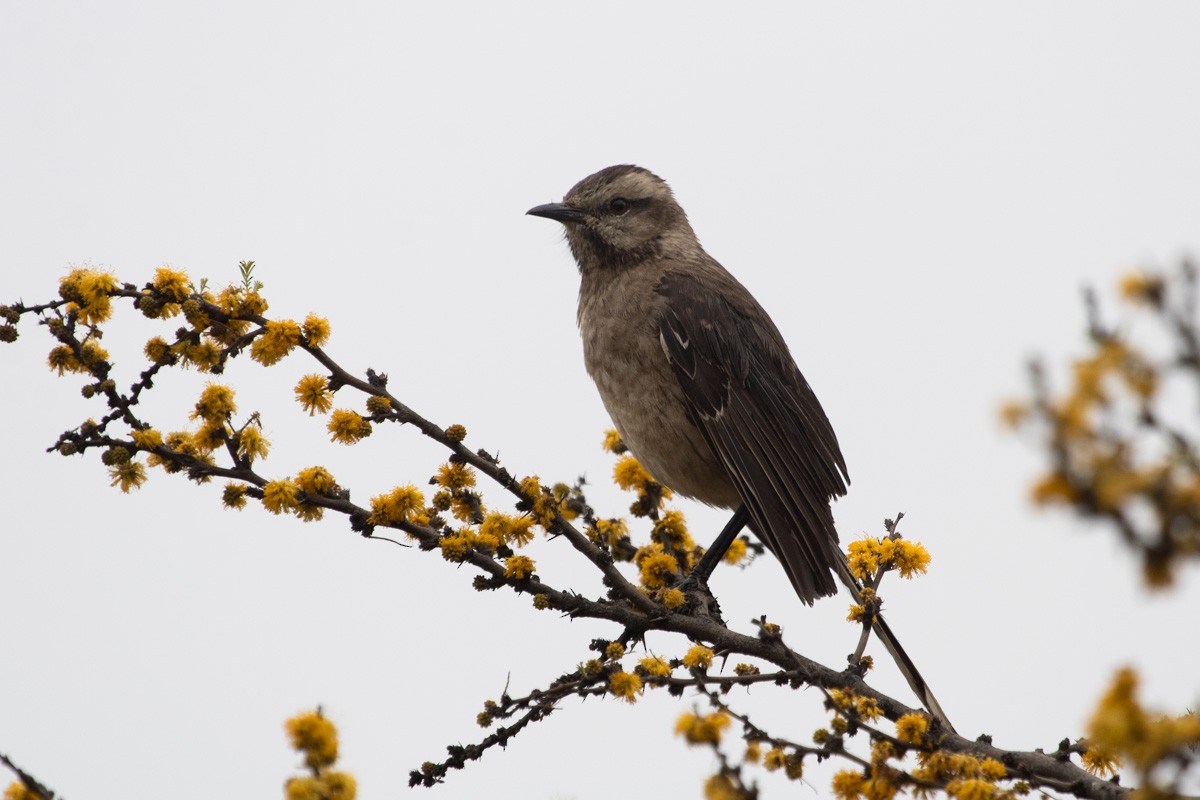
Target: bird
{"type": "Point", "coordinates": [702, 387]}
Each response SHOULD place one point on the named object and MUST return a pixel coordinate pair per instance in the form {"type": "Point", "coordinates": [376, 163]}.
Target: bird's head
{"type": "Point", "coordinates": [619, 217]}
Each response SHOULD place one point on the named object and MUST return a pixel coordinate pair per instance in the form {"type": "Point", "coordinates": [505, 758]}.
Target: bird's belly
{"type": "Point", "coordinates": [647, 407]}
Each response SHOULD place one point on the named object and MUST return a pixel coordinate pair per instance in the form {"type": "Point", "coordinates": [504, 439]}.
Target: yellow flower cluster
{"type": "Point", "coordinates": [454, 476]}
{"type": "Point", "coordinates": [317, 738]}
{"type": "Point", "coordinates": [672, 597]}
{"type": "Point", "coordinates": [347, 427]}
{"type": "Point", "coordinates": [655, 666]}
{"type": "Point", "coordinates": [17, 791]}
{"type": "Point", "coordinates": [404, 503]}
{"type": "Point", "coordinates": [316, 330]}
{"type": "Point", "coordinates": [657, 569]}
{"type": "Point", "coordinates": [280, 496]}
{"type": "Point", "coordinates": [63, 359]}
{"type": "Point", "coordinates": [314, 736]}
{"type": "Point", "coordinates": [518, 567]}
{"type": "Point", "coordinates": [671, 531]}
{"type": "Point", "coordinates": [90, 294]}
{"type": "Point", "coordinates": [698, 657]}
{"type": "Point", "coordinates": [736, 551]}
{"type": "Point", "coordinates": [850, 703]}
{"type": "Point", "coordinates": [313, 395]}
{"type": "Point", "coordinates": [251, 444]}
{"type": "Point", "coordinates": [216, 404]}
{"type": "Point", "coordinates": [129, 475]}
{"type": "Point", "coordinates": [628, 473]}
{"type": "Point", "coordinates": [278, 339]}
{"type": "Point", "coordinates": [912, 728]}
{"type": "Point", "coordinates": [516, 531]}
{"type": "Point", "coordinates": [868, 555]}
{"type": "Point", "coordinates": [625, 685]}
{"type": "Point", "coordinates": [1122, 731]}
{"type": "Point", "coordinates": [612, 441]}
{"type": "Point", "coordinates": [702, 728]}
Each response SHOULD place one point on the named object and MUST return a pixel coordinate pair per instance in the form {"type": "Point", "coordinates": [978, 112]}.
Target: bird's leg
{"type": "Point", "coordinates": [713, 555]}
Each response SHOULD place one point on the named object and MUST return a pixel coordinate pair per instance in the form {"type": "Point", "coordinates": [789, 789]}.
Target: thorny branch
{"type": "Point", "coordinates": [227, 325]}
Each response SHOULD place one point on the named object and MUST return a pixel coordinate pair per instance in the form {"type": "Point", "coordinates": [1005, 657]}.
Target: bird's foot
{"type": "Point", "coordinates": [700, 599]}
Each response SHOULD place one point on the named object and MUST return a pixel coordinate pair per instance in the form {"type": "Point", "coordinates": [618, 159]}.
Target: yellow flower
{"type": "Point", "coordinates": [774, 759]}
{"type": "Point", "coordinates": [216, 404]}
{"type": "Point", "coordinates": [518, 567]}
{"type": "Point", "coordinates": [146, 438]}
{"type": "Point", "coordinates": [721, 787]}
{"type": "Point", "coordinates": [657, 568]}
{"type": "Point", "coordinates": [316, 330]}
{"type": "Point", "coordinates": [614, 651]}
{"type": "Point", "coordinates": [456, 546]}
{"type": "Point", "coordinates": [971, 789]}
{"type": "Point", "coordinates": [1054, 488]}
{"type": "Point", "coordinates": [867, 708]}
{"type": "Point", "coordinates": [864, 558]}
{"type": "Point", "coordinates": [314, 736]}
{"type": "Point", "coordinates": [280, 496]}
{"type": "Point", "coordinates": [279, 338]}
{"type": "Point", "coordinates": [910, 558]}
{"type": "Point", "coordinates": [347, 427]}
{"type": "Point", "coordinates": [612, 441]}
{"type": "Point", "coordinates": [157, 349]}
{"type": "Point", "coordinates": [706, 729]}
{"type": "Point", "coordinates": [1142, 288]}
{"type": "Point", "coordinates": [848, 785]}
{"type": "Point", "coordinates": [531, 488]}
{"type": "Point", "coordinates": [671, 530]}
{"type": "Point", "coordinates": [1013, 413]}
{"type": "Point", "coordinates": [173, 285]}
{"type": "Point", "coordinates": [736, 551]}
{"type": "Point", "coordinates": [379, 404]}
{"type": "Point", "coordinates": [613, 530]}
{"type": "Point", "coordinates": [453, 475]}
{"type": "Point", "coordinates": [312, 392]}
{"type": "Point", "coordinates": [340, 786]}
{"type": "Point", "coordinates": [1100, 762]}
{"type": "Point", "coordinates": [698, 656]}
{"type": "Point", "coordinates": [401, 504]}
{"type": "Point", "coordinates": [251, 443]}
{"type": "Point", "coordinates": [629, 473]}
{"type": "Point", "coordinates": [316, 480]}
{"type": "Point", "coordinates": [234, 495]}
{"type": "Point", "coordinates": [625, 685]}
{"type": "Point", "coordinates": [753, 753]}
{"type": "Point", "coordinates": [17, 791]}
{"type": "Point", "coordinates": [655, 666]}
{"type": "Point", "coordinates": [911, 728]}
{"type": "Point", "coordinates": [673, 598]}
{"type": "Point", "coordinates": [90, 294]}
{"type": "Point", "coordinates": [205, 355]}
{"type": "Point", "coordinates": [130, 475]}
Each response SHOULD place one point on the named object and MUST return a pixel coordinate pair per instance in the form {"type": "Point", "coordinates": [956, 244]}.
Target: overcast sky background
{"type": "Point", "coordinates": [916, 192]}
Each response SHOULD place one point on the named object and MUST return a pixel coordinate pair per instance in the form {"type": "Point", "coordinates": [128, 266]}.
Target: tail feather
{"type": "Point", "coordinates": [906, 665]}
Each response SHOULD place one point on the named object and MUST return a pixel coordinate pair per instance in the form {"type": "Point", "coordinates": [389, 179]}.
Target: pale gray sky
{"type": "Point", "coordinates": [916, 192]}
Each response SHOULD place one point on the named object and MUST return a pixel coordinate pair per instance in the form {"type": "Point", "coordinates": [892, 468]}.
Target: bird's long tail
{"type": "Point", "coordinates": [906, 665]}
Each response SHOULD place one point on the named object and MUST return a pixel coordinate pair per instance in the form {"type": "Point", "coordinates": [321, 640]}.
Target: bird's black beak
{"type": "Point", "coordinates": [557, 211]}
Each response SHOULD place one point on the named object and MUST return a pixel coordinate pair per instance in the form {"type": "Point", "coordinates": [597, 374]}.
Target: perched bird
{"type": "Point", "coordinates": [701, 385]}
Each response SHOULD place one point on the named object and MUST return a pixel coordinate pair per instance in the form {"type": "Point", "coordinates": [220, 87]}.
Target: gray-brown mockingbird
{"type": "Point", "coordinates": [701, 385]}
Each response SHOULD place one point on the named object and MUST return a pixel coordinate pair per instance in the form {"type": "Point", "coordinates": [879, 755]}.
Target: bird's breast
{"type": "Point", "coordinates": [618, 321]}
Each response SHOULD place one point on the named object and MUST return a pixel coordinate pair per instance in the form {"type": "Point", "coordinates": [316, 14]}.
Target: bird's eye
{"type": "Point", "coordinates": [618, 205]}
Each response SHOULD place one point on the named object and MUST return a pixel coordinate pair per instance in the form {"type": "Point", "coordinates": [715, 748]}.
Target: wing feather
{"type": "Point", "coordinates": [762, 421]}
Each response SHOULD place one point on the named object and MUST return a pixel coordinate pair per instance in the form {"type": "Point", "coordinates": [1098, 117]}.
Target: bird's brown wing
{"type": "Point", "coordinates": [761, 419]}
